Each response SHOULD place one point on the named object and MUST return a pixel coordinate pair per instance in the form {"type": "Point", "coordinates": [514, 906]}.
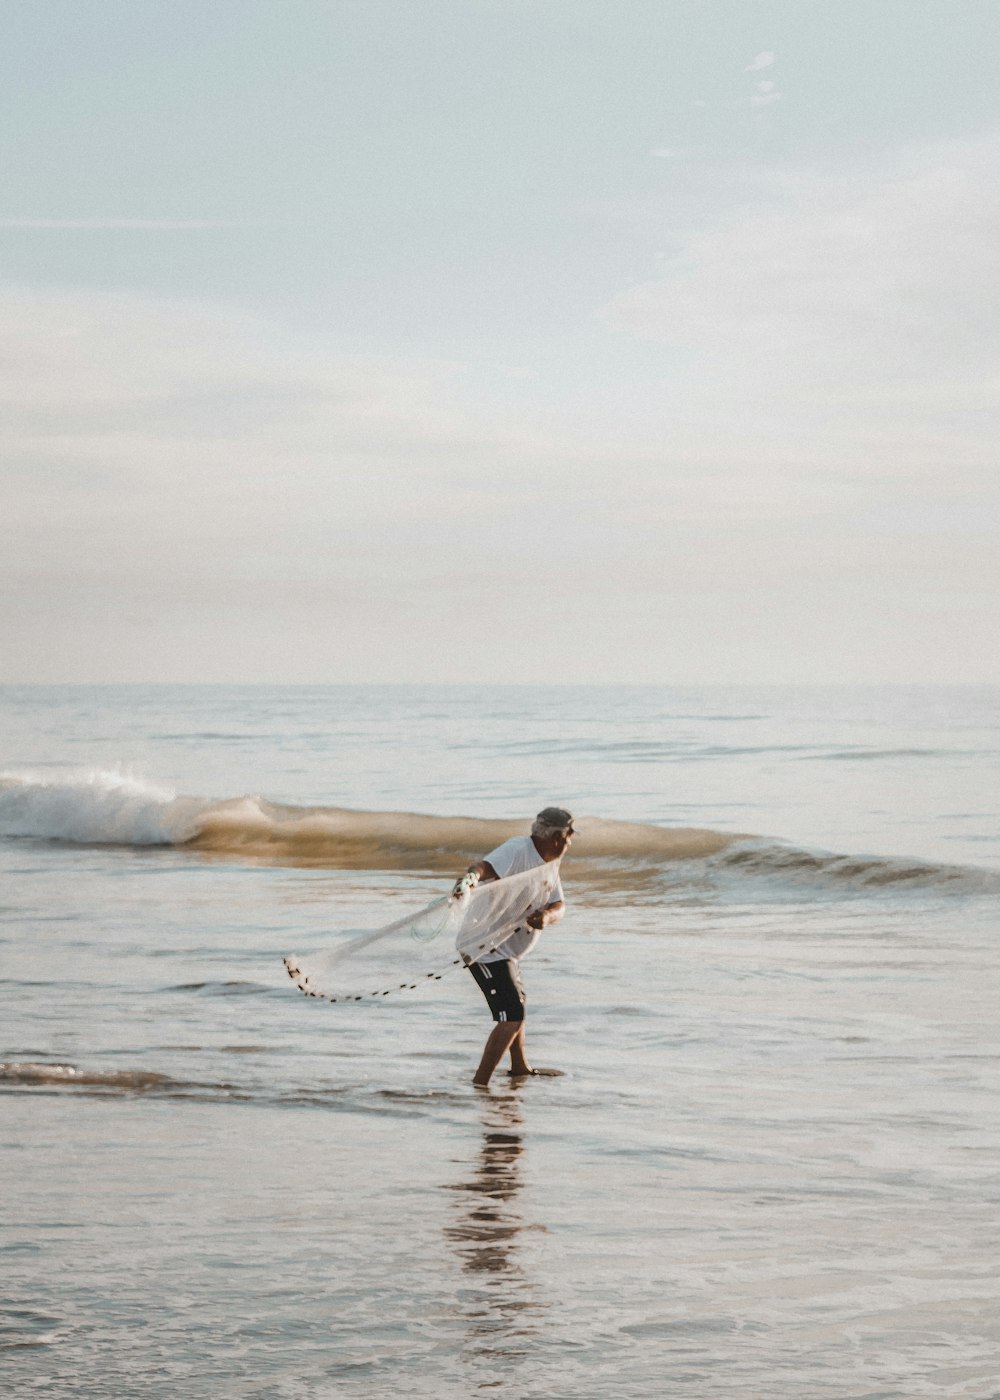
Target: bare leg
{"type": "Point", "coordinates": [500, 1041]}
{"type": "Point", "coordinates": [518, 1062]}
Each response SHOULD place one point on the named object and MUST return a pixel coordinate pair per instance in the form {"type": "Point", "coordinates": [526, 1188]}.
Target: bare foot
{"type": "Point", "coordinates": [524, 1073]}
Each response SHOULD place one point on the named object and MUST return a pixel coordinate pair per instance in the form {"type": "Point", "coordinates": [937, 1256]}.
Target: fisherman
{"type": "Point", "coordinates": [497, 972]}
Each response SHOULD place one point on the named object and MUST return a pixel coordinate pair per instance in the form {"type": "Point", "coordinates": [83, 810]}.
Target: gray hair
{"type": "Point", "coordinates": [551, 819]}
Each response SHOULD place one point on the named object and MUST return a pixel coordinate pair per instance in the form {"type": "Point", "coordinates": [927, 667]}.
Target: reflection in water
{"type": "Point", "coordinates": [500, 1298]}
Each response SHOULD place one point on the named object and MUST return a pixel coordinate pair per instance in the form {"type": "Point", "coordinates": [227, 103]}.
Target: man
{"type": "Point", "coordinates": [497, 972]}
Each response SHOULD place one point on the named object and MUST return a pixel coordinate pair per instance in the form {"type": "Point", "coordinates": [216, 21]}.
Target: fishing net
{"type": "Point", "coordinates": [426, 944]}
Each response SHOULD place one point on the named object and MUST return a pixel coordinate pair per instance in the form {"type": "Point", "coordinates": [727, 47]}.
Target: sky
{"type": "Point", "coordinates": [530, 341]}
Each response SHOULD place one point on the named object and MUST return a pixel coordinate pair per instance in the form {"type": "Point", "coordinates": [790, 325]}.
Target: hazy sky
{"type": "Point", "coordinates": [527, 340]}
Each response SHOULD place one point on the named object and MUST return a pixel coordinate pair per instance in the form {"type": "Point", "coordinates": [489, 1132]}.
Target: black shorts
{"type": "Point", "coordinates": [500, 983]}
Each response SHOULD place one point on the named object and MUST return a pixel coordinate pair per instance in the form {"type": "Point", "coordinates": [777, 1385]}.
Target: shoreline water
{"type": "Point", "coordinates": [769, 1168]}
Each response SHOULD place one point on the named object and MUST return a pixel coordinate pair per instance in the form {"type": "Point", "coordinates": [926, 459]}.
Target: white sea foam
{"type": "Point", "coordinates": [93, 806]}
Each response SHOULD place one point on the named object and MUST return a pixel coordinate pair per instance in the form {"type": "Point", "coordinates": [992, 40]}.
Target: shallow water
{"type": "Point", "coordinates": [770, 1167]}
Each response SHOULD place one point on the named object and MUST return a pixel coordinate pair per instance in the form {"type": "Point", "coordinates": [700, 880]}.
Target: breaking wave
{"type": "Point", "coordinates": [97, 807]}
{"type": "Point", "coordinates": [112, 808]}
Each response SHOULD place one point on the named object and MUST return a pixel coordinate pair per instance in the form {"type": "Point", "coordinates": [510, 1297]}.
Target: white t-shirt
{"type": "Point", "coordinates": [513, 858]}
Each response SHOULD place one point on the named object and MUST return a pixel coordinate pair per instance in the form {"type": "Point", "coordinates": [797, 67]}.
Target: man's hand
{"type": "Point", "coordinates": [468, 882]}
{"type": "Point", "coordinates": [551, 914]}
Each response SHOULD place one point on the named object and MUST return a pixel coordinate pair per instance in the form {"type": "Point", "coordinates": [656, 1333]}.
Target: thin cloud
{"type": "Point", "coordinates": [763, 60]}
{"type": "Point", "coordinates": [841, 284]}
{"type": "Point", "coordinates": [153, 225]}
{"type": "Point", "coordinates": [764, 95]}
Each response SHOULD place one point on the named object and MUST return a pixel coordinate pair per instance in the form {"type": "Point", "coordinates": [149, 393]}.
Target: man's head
{"type": "Point", "coordinates": [552, 832]}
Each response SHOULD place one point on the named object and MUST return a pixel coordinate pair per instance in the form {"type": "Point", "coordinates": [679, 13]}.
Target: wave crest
{"type": "Point", "coordinates": [94, 807]}
{"type": "Point", "coordinates": [412, 841]}
{"type": "Point", "coordinates": [612, 858]}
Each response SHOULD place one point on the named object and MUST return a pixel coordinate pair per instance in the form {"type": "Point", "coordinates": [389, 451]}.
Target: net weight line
{"type": "Point", "coordinates": [303, 985]}
{"type": "Point", "coordinates": [302, 982]}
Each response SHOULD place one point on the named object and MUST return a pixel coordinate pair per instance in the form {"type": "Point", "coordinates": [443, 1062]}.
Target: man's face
{"type": "Point", "coordinates": [557, 842]}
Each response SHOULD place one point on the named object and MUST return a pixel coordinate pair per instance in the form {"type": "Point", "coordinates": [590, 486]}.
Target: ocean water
{"type": "Point", "coordinates": [769, 1169]}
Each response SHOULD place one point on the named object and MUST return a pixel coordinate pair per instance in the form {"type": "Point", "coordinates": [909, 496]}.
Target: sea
{"type": "Point", "coordinates": [769, 1169]}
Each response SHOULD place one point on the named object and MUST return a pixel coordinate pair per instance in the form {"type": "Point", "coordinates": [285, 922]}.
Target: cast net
{"type": "Point", "coordinates": [423, 946]}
